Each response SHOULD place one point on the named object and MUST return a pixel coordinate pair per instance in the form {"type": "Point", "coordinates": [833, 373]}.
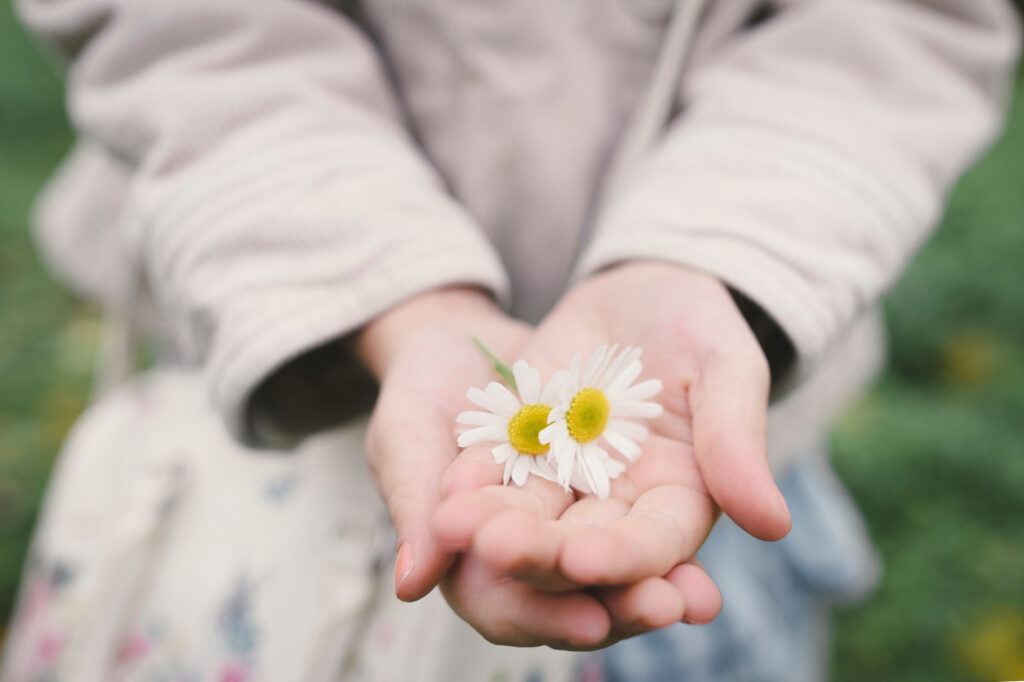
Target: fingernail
{"type": "Point", "coordinates": [403, 565]}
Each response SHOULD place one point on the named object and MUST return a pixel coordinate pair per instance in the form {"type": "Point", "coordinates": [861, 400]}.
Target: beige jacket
{"type": "Point", "coordinates": [281, 171]}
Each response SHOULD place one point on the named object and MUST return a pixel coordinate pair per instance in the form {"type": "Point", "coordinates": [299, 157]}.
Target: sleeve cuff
{"type": "Point", "coordinates": [809, 237]}
{"type": "Point", "coordinates": [264, 257]}
{"type": "Point", "coordinates": [263, 334]}
{"type": "Point", "coordinates": [752, 274]}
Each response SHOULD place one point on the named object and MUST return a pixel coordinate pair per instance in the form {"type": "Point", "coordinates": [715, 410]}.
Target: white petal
{"type": "Point", "coordinates": [625, 377]}
{"type": "Point", "coordinates": [610, 362]}
{"type": "Point", "coordinates": [593, 469]}
{"type": "Point", "coordinates": [624, 445]}
{"type": "Point", "coordinates": [495, 398]}
{"type": "Point", "coordinates": [527, 381]}
{"type": "Point", "coordinates": [521, 470]}
{"type": "Point", "coordinates": [541, 467]}
{"type": "Point", "coordinates": [506, 403]}
{"type": "Point", "coordinates": [631, 430]}
{"type": "Point", "coordinates": [564, 458]}
{"type": "Point", "coordinates": [557, 447]}
{"type": "Point", "coordinates": [572, 386]}
{"type": "Point", "coordinates": [551, 395]}
{"type": "Point", "coordinates": [624, 358]}
{"type": "Point", "coordinates": [634, 409]}
{"type": "Point", "coordinates": [510, 464]}
{"type": "Point", "coordinates": [482, 434]}
{"type": "Point", "coordinates": [642, 391]}
{"type": "Point", "coordinates": [478, 397]}
{"type": "Point", "coordinates": [557, 413]}
{"type": "Point", "coordinates": [474, 418]}
{"type": "Point", "coordinates": [503, 452]}
{"type": "Point", "coordinates": [582, 479]}
{"type": "Point", "coordinates": [614, 467]}
{"type": "Point", "coordinates": [610, 468]}
{"type": "Point", "coordinates": [579, 481]}
{"type": "Point", "coordinates": [594, 364]}
{"type": "Point", "coordinates": [551, 432]}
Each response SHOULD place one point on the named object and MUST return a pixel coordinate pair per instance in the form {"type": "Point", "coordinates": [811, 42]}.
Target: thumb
{"type": "Point", "coordinates": [407, 458]}
{"type": "Point", "coordinates": [729, 401]}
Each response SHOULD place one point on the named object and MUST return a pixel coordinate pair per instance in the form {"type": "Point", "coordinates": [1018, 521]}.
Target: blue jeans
{"type": "Point", "coordinates": [777, 596]}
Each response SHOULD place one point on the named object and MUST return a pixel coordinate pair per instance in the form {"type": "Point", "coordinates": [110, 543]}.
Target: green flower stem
{"type": "Point", "coordinates": [503, 370]}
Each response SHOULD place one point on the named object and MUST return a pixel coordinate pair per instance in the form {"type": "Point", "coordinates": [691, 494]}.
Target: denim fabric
{"type": "Point", "coordinates": [777, 596]}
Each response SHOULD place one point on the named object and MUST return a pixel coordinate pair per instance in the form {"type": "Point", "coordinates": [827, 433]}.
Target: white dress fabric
{"type": "Point", "coordinates": [169, 552]}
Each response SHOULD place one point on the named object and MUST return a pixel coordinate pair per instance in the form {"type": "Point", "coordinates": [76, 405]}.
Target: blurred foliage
{"type": "Point", "coordinates": [934, 455]}
{"type": "Point", "coordinates": [40, 391]}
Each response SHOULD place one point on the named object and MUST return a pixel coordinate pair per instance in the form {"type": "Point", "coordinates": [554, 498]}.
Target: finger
{"type": "Point", "coordinates": [648, 604]}
{"type": "Point", "coordinates": [527, 548]}
{"type": "Point", "coordinates": [464, 512]}
{"type": "Point", "coordinates": [407, 464]}
{"type": "Point", "coordinates": [512, 613]}
{"type": "Point", "coordinates": [730, 402]}
{"type": "Point", "coordinates": [665, 526]}
{"type": "Point", "coordinates": [664, 462]}
{"type": "Point", "coordinates": [524, 547]}
{"type": "Point", "coordinates": [474, 468]}
{"type": "Point", "coordinates": [592, 511]}
{"type": "Point", "coordinates": [703, 600]}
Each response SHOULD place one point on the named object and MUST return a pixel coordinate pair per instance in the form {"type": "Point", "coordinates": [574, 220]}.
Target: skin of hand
{"type": "Point", "coordinates": [423, 355]}
{"type": "Point", "coordinates": [706, 452]}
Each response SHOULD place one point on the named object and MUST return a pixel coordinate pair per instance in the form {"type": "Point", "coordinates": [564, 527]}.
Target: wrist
{"type": "Point", "coordinates": [383, 338]}
{"type": "Point", "coordinates": [644, 276]}
{"type": "Point", "coordinates": [642, 269]}
{"type": "Point", "coordinates": [773, 342]}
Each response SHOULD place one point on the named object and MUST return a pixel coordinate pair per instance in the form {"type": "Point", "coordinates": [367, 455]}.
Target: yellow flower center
{"type": "Point", "coordinates": [524, 427]}
{"type": "Point", "coordinates": [587, 415]}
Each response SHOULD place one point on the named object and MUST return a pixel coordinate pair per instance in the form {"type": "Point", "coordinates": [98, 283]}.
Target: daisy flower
{"type": "Point", "coordinates": [513, 420]}
{"type": "Point", "coordinates": [600, 403]}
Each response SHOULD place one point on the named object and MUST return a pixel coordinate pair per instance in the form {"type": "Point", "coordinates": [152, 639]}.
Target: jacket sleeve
{"type": "Point", "coordinates": [275, 200]}
{"type": "Point", "coordinates": [813, 153]}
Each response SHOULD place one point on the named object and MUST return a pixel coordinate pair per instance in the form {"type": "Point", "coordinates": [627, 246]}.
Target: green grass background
{"type": "Point", "coordinates": [934, 455]}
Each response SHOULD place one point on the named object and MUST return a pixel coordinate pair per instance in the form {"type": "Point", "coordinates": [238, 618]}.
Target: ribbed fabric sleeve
{"type": "Point", "coordinates": [276, 201]}
{"type": "Point", "coordinates": [813, 155]}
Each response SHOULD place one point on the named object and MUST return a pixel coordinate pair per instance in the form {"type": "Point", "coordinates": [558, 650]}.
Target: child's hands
{"type": "Point", "coordinates": [507, 610]}
{"type": "Point", "coordinates": [423, 355]}
{"type": "Point", "coordinates": [421, 351]}
{"type": "Point", "coordinates": [707, 449]}
{"type": "Point", "coordinates": [526, 579]}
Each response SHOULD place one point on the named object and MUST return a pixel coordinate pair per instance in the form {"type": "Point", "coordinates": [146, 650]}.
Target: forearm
{"type": "Point", "coordinates": [382, 339]}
